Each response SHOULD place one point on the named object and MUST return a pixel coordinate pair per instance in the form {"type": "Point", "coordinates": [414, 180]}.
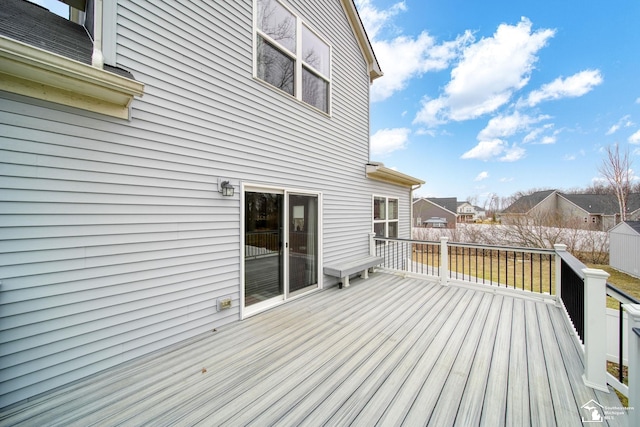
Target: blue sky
{"type": "Point", "coordinates": [496, 97]}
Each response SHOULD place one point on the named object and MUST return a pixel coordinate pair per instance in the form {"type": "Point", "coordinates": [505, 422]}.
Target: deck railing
{"type": "Point", "coordinates": [623, 301]}
{"type": "Point", "coordinates": [501, 266]}
{"type": "Point", "coordinates": [581, 291]}
{"type": "Point", "coordinates": [583, 294]}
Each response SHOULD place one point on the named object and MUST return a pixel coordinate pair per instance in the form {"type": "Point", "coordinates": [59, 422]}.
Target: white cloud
{"type": "Point", "coordinates": [534, 135]}
{"type": "Point", "coordinates": [485, 150]}
{"type": "Point", "coordinates": [386, 141]}
{"type": "Point", "coordinates": [623, 122]}
{"type": "Point", "coordinates": [374, 19]}
{"type": "Point", "coordinates": [507, 125]}
{"type": "Point", "coordinates": [428, 132]}
{"type": "Point", "coordinates": [482, 175]}
{"type": "Point", "coordinates": [635, 138]}
{"type": "Point", "coordinates": [513, 153]}
{"type": "Point", "coordinates": [571, 87]}
{"type": "Point", "coordinates": [549, 139]}
{"type": "Point", "coordinates": [495, 148]}
{"type": "Point", "coordinates": [405, 58]}
{"type": "Point", "coordinates": [488, 73]}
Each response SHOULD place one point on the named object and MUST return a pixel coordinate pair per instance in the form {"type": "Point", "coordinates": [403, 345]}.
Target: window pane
{"type": "Point", "coordinates": [276, 21]}
{"type": "Point", "coordinates": [378, 228]}
{"type": "Point", "coordinates": [393, 229]}
{"type": "Point", "coordinates": [379, 208]}
{"type": "Point", "coordinates": [315, 52]}
{"type": "Point", "coordinates": [315, 90]}
{"type": "Point", "coordinates": [393, 208]}
{"type": "Point", "coordinates": [274, 67]}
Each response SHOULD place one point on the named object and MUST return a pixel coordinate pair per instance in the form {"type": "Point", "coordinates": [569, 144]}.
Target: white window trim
{"type": "Point", "coordinates": [386, 221]}
{"type": "Point", "coordinates": [298, 61]}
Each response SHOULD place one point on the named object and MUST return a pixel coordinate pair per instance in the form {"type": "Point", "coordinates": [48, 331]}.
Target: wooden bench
{"type": "Point", "coordinates": [344, 269]}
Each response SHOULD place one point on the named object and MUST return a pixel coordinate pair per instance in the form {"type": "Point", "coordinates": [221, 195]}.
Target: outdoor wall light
{"type": "Point", "coordinates": [226, 189]}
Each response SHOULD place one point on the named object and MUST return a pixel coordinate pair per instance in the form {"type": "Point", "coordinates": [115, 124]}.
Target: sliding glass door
{"type": "Point", "coordinates": [263, 248]}
{"type": "Point", "coordinates": [303, 247]}
{"type": "Point", "coordinates": [281, 246]}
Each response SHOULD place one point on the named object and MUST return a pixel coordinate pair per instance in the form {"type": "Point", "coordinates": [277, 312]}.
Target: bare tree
{"type": "Point", "coordinates": [616, 169]}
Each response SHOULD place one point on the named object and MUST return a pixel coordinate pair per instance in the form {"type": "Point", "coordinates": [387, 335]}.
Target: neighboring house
{"type": "Point", "coordinates": [624, 247]}
{"type": "Point", "coordinates": [551, 207]}
{"type": "Point", "coordinates": [469, 213]}
{"type": "Point", "coordinates": [193, 166]}
{"type": "Point", "coordinates": [435, 212]}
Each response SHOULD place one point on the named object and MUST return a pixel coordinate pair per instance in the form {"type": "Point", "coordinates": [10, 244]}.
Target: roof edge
{"type": "Point", "coordinates": [363, 39]}
{"type": "Point", "coordinates": [379, 172]}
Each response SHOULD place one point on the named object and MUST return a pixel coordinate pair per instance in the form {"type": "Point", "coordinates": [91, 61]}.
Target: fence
{"type": "Point", "coordinates": [503, 266]}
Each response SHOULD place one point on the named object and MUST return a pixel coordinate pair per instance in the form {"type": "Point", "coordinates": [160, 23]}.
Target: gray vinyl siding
{"type": "Point", "coordinates": [624, 247]}
{"type": "Point", "coordinates": [115, 241]}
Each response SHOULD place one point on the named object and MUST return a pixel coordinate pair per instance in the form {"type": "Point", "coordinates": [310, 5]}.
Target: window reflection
{"type": "Point", "coordinates": [315, 52]}
{"type": "Point", "coordinates": [315, 91]}
{"type": "Point", "coordinates": [278, 23]}
{"type": "Point", "coordinates": [274, 67]}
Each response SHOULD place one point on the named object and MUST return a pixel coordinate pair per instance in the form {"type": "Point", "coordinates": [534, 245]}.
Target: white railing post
{"type": "Point", "coordinates": [372, 244]}
{"type": "Point", "coordinates": [444, 261]}
{"type": "Point", "coordinates": [559, 248]}
{"type": "Point", "coordinates": [633, 343]}
{"type": "Point", "coordinates": [595, 328]}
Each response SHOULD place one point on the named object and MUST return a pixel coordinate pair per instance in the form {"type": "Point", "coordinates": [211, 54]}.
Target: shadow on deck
{"type": "Point", "coordinates": [386, 351]}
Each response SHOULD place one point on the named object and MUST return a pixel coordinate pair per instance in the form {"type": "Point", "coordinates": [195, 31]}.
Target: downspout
{"type": "Point", "coordinates": [97, 58]}
{"type": "Point", "coordinates": [411, 209]}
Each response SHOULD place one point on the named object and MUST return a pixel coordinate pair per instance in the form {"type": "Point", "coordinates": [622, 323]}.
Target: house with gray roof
{"type": "Point", "coordinates": [173, 167]}
{"type": "Point", "coordinates": [553, 208]}
{"type": "Point", "coordinates": [435, 212]}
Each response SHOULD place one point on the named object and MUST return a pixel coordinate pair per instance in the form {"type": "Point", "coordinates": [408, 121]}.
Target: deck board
{"type": "Point", "coordinates": [386, 351]}
{"type": "Point", "coordinates": [471, 402]}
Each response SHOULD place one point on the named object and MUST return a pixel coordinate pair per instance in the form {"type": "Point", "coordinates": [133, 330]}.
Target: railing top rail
{"type": "Point", "coordinates": [620, 295]}
{"type": "Point", "coordinates": [470, 245]}
{"type": "Point", "coordinates": [392, 239]}
{"type": "Point", "coordinates": [574, 263]}
{"type": "Point", "coordinates": [503, 247]}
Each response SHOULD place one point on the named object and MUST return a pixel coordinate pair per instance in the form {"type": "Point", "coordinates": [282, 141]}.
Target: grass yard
{"type": "Point", "coordinates": [532, 272]}
{"type": "Point", "coordinates": [627, 284]}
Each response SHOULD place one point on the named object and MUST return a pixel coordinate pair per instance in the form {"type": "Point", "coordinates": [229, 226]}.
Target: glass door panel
{"type": "Point", "coordinates": [263, 253]}
{"type": "Point", "coordinates": [303, 242]}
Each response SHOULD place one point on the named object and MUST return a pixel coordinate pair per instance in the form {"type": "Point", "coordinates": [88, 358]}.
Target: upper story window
{"type": "Point", "coordinates": [291, 56]}
{"type": "Point", "coordinates": [385, 216]}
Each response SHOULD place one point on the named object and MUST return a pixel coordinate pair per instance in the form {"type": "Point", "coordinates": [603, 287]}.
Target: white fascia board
{"type": "Point", "coordinates": [34, 72]}
{"type": "Point", "coordinates": [379, 172]}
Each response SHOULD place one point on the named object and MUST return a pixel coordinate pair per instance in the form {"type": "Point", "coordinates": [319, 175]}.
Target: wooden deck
{"type": "Point", "coordinates": [387, 351]}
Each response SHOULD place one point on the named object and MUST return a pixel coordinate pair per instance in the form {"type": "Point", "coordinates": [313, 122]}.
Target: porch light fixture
{"type": "Point", "coordinates": [226, 189]}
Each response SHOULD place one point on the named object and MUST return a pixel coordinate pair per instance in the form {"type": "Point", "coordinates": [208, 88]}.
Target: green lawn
{"type": "Point", "coordinates": [628, 284]}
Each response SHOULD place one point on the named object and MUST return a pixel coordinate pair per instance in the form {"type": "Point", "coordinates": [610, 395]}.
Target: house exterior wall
{"type": "Point", "coordinates": [116, 241]}
{"type": "Point", "coordinates": [624, 247]}
{"type": "Point", "coordinates": [424, 210]}
{"type": "Point", "coordinates": [571, 215]}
